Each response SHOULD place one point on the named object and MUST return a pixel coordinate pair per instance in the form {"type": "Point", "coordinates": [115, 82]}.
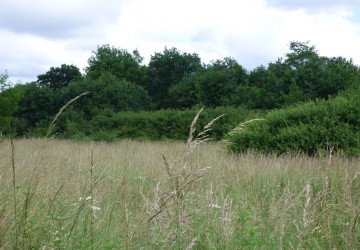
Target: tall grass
{"type": "Point", "coordinates": [82, 195]}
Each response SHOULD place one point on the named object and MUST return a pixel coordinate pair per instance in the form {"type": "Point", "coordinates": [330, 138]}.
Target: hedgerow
{"type": "Point", "coordinates": [311, 128]}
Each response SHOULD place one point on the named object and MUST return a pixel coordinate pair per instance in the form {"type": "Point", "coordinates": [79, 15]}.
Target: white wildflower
{"type": "Point", "coordinates": [87, 198]}
{"type": "Point", "coordinates": [95, 208]}
{"type": "Point", "coordinates": [214, 206]}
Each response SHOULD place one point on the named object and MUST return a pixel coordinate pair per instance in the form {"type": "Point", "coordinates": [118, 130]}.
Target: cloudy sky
{"type": "Point", "coordinates": [38, 34]}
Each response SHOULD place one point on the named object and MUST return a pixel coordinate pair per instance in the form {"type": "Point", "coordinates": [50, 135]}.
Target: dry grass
{"type": "Point", "coordinates": [241, 202]}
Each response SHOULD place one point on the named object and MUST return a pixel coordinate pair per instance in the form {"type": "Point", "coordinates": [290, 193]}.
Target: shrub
{"type": "Point", "coordinates": [307, 128]}
{"type": "Point", "coordinates": [166, 124]}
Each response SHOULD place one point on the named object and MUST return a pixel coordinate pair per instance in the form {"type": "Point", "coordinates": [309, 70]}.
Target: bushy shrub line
{"type": "Point", "coordinates": [312, 128]}
{"type": "Point", "coordinates": [167, 124]}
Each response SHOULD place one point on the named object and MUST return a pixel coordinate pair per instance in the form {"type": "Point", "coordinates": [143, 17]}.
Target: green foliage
{"type": "Point", "coordinates": [59, 77]}
{"type": "Point", "coordinates": [167, 69]}
{"type": "Point", "coordinates": [121, 95]}
{"type": "Point", "coordinates": [154, 125]}
{"type": "Point", "coordinates": [221, 83]}
{"type": "Point", "coordinates": [310, 128]}
{"type": "Point", "coordinates": [38, 103]}
{"type": "Point", "coordinates": [71, 124]}
{"type": "Point", "coordinates": [186, 93]}
{"type": "Point", "coordinates": [108, 92]}
{"type": "Point", "coordinates": [118, 62]}
{"type": "Point", "coordinates": [9, 100]}
{"type": "Point", "coordinates": [4, 81]}
{"type": "Point", "coordinates": [302, 75]}
{"type": "Point", "coordinates": [295, 94]}
{"type": "Point", "coordinates": [338, 74]}
{"type": "Point", "coordinates": [117, 82]}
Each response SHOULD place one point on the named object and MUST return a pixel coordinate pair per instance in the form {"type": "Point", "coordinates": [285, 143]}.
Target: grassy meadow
{"type": "Point", "coordinates": [58, 194]}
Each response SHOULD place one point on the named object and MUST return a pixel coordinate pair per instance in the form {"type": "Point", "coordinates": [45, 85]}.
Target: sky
{"type": "Point", "coordinates": [39, 34]}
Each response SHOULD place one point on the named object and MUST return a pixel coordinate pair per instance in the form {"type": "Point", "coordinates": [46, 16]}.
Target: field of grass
{"type": "Point", "coordinates": [162, 195]}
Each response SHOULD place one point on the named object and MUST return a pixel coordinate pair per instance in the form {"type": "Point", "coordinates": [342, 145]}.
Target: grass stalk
{"type": "Point", "coordinates": [14, 190]}
{"type": "Point", "coordinates": [92, 186]}
{"type": "Point", "coordinates": [247, 201]}
{"type": "Point", "coordinates": [52, 124]}
{"type": "Point", "coordinates": [176, 219]}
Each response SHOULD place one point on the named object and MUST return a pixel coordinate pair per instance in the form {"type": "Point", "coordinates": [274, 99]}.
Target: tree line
{"type": "Point", "coordinates": [118, 81]}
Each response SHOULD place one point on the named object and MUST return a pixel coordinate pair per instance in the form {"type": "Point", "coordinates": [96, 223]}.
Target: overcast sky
{"type": "Point", "coordinates": [38, 34]}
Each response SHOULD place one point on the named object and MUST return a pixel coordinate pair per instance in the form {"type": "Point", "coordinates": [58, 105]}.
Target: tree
{"type": "Point", "coordinates": [108, 92]}
{"type": "Point", "coordinates": [59, 77]}
{"type": "Point", "coordinates": [121, 95]}
{"type": "Point", "coordinates": [306, 68]}
{"type": "Point", "coordinates": [186, 93]}
{"type": "Point", "coordinates": [257, 76]}
{"type": "Point", "coordinates": [220, 81]}
{"type": "Point", "coordinates": [216, 85]}
{"type": "Point", "coordinates": [290, 80]}
{"type": "Point", "coordinates": [118, 62]}
{"type": "Point", "coordinates": [339, 74]}
{"type": "Point", "coordinates": [9, 99]}
{"type": "Point", "coordinates": [38, 103]}
{"type": "Point", "coordinates": [301, 53]}
{"type": "Point", "coordinates": [167, 69]}
{"type": "Point", "coordinates": [318, 76]}
{"type": "Point", "coordinates": [295, 94]}
{"type": "Point", "coordinates": [4, 81]}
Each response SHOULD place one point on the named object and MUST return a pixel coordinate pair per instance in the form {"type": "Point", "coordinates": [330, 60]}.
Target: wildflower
{"type": "Point", "coordinates": [214, 206]}
{"type": "Point", "coordinates": [95, 208]}
{"type": "Point", "coordinates": [85, 198]}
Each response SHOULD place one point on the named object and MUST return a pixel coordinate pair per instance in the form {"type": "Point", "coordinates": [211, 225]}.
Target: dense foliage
{"type": "Point", "coordinates": [118, 62]}
{"type": "Point", "coordinates": [9, 100]}
{"type": "Point", "coordinates": [313, 128]}
{"type": "Point", "coordinates": [157, 101]}
{"type": "Point", "coordinates": [59, 77]}
{"type": "Point", "coordinates": [166, 70]}
{"type": "Point", "coordinates": [145, 125]}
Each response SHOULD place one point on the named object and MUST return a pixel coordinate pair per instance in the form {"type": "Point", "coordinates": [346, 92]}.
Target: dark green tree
{"type": "Point", "coordinates": [295, 94]}
{"type": "Point", "coordinates": [118, 62]}
{"type": "Point", "coordinates": [121, 95]}
{"type": "Point", "coordinates": [186, 93]}
{"type": "Point", "coordinates": [59, 77]}
{"type": "Point", "coordinates": [338, 74]}
{"type": "Point", "coordinates": [306, 68]}
{"type": "Point", "coordinates": [108, 92]}
{"type": "Point", "coordinates": [9, 99]}
{"type": "Point", "coordinates": [318, 76]}
{"type": "Point", "coordinates": [302, 75]}
{"type": "Point", "coordinates": [167, 69]}
{"type": "Point", "coordinates": [220, 81]}
{"type": "Point", "coordinates": [258, 76]}
{"type": "Point", "coordinates": [265, 89]}
{"type": "Point", "coordinates": [300, 53]}
{"type": "Point", "coordinates": [38, 103]}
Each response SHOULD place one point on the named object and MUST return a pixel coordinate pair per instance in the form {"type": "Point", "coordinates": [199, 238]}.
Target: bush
{"type": "Point", "coordinates": [166, 124]}
{"type": "Point", "coordinates": [308, 128]}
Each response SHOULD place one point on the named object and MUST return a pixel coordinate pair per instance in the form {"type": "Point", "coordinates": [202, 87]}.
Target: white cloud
{"type": "Point", "coordinates": [39, 34]}
{"type": "Point", "coordinates": [56, 19]}
{"type": "Point", "coordinates": [197, 26]}
{"type": "Point", "coordinates": [254, 32]}
{"type": "Point", "coordinates": [314, 5]}
{"type": "Point", "coordinates": [250, 31]}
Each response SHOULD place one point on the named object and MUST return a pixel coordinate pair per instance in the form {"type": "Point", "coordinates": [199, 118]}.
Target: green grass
{"type": "Point", "coordinates": [148, 200]}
